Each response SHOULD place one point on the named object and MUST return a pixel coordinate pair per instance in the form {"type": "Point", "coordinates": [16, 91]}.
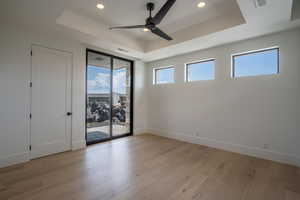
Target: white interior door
{"type": "Point", "coordinates": [50, 101]}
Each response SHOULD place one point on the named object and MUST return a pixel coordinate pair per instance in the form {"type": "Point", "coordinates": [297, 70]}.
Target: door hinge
{"type": "Point", "coordinates": [31, 53]}
{"type": "Point", "coordinates": [29, 147]}
{"type": "Point", "coordinates": [30, 84]}
{"type": "Point", "coordinates": [30, 115]}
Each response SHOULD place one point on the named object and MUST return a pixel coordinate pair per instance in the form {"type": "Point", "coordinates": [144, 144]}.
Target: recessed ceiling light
{"type": "Point", "coordinates": [201, 4]}
{"type": "Point", "coordinates": [100, 6]}
{"type": "Point", "coordinates": [145, 30]}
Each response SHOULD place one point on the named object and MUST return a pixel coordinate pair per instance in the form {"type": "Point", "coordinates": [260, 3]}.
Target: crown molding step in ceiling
{"type": "Point", "coordinates": [192, 25]}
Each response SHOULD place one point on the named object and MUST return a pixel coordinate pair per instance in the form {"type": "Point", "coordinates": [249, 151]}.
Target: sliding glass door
{"type": "Point", "coordinates": [121, 101]}
{"type": "Point", "coordinates": [108, 97]}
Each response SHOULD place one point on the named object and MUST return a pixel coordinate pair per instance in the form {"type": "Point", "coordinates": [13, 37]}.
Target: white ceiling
{"type": "Point", "coordinates": [220, 22]}
{"type": "Point", "coordinates": [183, 14]}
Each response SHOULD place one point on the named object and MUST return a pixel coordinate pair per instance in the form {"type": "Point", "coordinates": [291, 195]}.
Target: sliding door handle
{"type": "Point", "coordinates": [69, 113]}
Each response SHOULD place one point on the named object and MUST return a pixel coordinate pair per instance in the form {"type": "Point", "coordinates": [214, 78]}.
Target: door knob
{"type": "Point", "coordinates": [69, 113]}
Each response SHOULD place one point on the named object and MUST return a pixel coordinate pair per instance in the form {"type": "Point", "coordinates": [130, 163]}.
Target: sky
{"type": "Point", "coordinates": [165, 75]}
{"type": "Point", "coordinates": [260, 63]}
{"type": "Point", "coordinates": [196, 71]}
{"type": "Point", "coordinates": [98, 80]}
{"type": "Point", "coordinates": [201, 71]}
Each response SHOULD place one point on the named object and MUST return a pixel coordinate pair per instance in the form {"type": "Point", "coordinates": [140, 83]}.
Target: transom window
{"type": "Point", "coordinates": [202, 70]}
{"type": "Point", "coordinates": [163, 75]}
{"type": "Point", "coordinates": [255, 63]}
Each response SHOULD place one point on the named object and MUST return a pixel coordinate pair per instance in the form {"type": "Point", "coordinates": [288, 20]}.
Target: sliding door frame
{"type": "Point", "coordinates": [112, 57]}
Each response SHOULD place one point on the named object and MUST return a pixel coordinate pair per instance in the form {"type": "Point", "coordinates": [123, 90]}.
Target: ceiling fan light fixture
{"type": "Point", "coordinates": [152, 22]}
{"type": "Point", "coordinates": [201, 4]}
{"type": "Point", "coordinates": [100, 6]}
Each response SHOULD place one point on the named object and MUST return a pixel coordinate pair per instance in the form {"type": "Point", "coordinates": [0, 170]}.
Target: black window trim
{"type": "Point", "coordinates": [186, 78]}
{"type": "Point", "coordinates": [233, 56]}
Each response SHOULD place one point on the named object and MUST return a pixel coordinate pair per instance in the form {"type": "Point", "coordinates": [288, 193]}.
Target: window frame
{"type": "Point", "coordinates": [156, 69]}
{"type": "Point", "coordinates": [186, 78]}
{"type": "Point", "coordinates": [233, 56]}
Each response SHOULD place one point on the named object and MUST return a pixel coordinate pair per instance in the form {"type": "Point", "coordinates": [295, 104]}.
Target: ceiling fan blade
{"type": "Point", "coordinates": [163, 11]}
{"type": "Point", "coordinates": [127, 27]}
{"type": "Point", "coordinates": [160, 33]}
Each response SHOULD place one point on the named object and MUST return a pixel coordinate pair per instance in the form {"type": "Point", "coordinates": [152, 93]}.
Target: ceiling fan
{"type": "Point", "coordinates": [152, 22]}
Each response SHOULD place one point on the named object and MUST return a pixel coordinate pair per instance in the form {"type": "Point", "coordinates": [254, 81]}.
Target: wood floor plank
{"type": "Point", "coordinates": [290, 195]}
{"type": "Point", "coordinates": [149, 167]}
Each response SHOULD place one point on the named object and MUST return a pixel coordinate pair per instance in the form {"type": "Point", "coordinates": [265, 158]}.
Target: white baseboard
{"type": "Point", "coordinates": [76, 145]}
{"type": "Point", "coordinates": [25, 156]}
{"type": "Point", "coordinates": [14, 159]}
{"type": "Point", "coordinates": [238, 148]}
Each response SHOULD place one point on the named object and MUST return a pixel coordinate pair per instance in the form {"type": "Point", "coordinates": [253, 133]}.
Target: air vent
{"type": "Point", "coordinates": [123, 50]}
{"type": "Point", "coordinates": [259, 3]}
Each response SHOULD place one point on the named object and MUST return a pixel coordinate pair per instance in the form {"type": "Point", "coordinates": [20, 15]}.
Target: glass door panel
{"type": "Point", "coordinates": [121, 97]}
{"type": "Point", "coordinates": [98, 88]}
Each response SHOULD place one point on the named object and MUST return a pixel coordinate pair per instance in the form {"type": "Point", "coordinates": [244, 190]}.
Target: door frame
{"type": "Point", "coordinates": [112, 57]}
{"type": "Point", "coordinates": [30, 96]}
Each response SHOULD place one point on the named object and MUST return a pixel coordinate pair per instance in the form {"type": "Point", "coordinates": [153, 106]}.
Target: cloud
{"type": "Point", "coordinates": [101, 83]}
{"type": "Point", "coordinates": [103, 80]}
{"type": "Point", "coordinates": [119, 82]}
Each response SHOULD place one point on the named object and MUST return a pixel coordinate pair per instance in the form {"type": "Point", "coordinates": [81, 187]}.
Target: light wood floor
{"type": "Point", "coordinates": [150, 167]}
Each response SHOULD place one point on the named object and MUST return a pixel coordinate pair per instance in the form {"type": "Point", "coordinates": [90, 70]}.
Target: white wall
{"type": "Point", "coordinates": [140, 98]}
{"type": "Point", "coordinates": [258, 116]}
{"type": "Point", "coordinates": [15, 93]}
{"type": "Point", "coordinates": [240, 115]}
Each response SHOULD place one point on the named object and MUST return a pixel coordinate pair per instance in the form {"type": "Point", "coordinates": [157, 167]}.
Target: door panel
{"type": "Point", "coordinates": [98, 98]}
{"type": "Point", "coordinates": [50, 101]}
{"type": "Point", "coordinates": [121, 97]}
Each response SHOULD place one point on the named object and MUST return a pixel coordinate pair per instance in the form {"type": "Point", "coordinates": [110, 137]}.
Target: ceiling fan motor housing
{"type": "Point", "coordinates": [149, 24]}
{"type": "Point", "coordinates": [150, 6]}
